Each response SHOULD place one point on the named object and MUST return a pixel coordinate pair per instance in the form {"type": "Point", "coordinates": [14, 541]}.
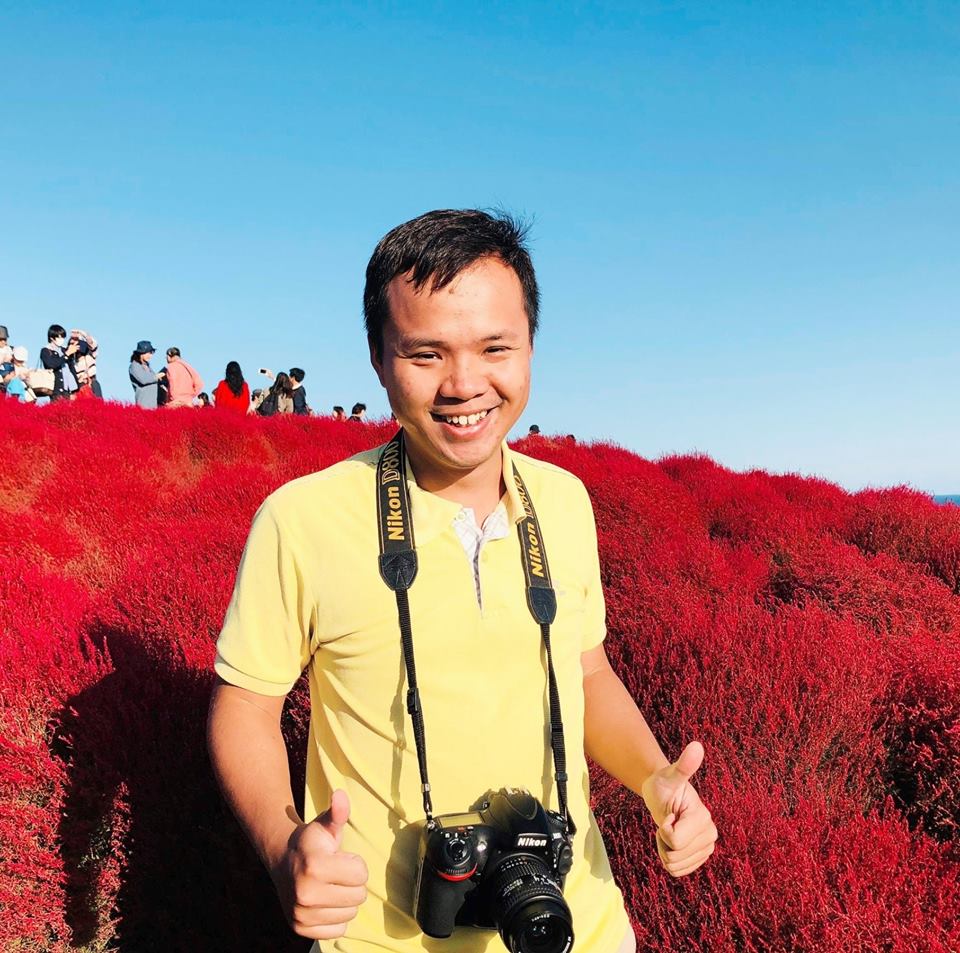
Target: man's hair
{"type": "Point", "coordinates": [298, 374]}
{"type": "Point", "coordinates": [534, 429]}
{"type": "Point", "coordinates": [55, 331]}
{"type": "Point", "coordinates": [436, 247]}
{"type": "Point", "coordinates": [173, 352]}
{"type": "Point", "coordinates": [358, 408]}
{"type": "Point", "coordinates": [337, 409]}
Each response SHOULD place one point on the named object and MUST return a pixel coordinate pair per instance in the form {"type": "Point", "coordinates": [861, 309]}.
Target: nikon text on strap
{"type": "Point", "coordinates": [398, 567]}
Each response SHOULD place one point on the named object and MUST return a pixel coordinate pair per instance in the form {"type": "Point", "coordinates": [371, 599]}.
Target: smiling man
{"type": "Point", "coordinates": [451, 306]}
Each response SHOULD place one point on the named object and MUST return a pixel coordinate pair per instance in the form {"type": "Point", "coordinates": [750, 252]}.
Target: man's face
{"type": "Point", "coordinates": [459, 354]}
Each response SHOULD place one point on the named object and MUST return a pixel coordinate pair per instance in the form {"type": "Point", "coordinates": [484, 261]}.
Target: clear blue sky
{"type": "Point", "coordinates": [746, 214]}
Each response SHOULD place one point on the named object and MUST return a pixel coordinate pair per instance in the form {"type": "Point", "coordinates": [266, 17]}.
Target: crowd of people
{"type": "Point", "coordinates": [67, 370]}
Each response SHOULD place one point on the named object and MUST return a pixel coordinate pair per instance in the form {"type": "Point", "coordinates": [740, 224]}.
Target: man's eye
{"type": "Point", "coordinates": [424, 356]}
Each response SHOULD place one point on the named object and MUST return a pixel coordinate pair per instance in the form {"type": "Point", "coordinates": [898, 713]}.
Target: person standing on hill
{"type": "Point", "coordinates": [146, 381]}
{"type": "Point", "coordinates": [183, 382]}
{"type": "Point", "coordinates": [233, 392]}
{"type": "Point", "coordinates": [60, 357]}
{"type": "Point", "coordinates": [505, 639]}
{"type": "Point", "coordinates": [86, 363]}
{"type": "Point", "coordinates": [11, 386]}
{"type": "Point", "coordinates": [339, 413]}
{"type": "Point", "coordinates": [298, 391]}
{"type": "Point", "coordinates": [357, 413]}
{"type": "Point", "coordinates": [6, 351]}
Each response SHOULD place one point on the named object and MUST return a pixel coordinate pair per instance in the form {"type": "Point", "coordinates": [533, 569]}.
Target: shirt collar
{"type": "Point", "coordinates": [433, 515]}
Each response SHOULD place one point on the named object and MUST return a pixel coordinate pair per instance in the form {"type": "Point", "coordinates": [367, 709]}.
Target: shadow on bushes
{"type": "Point", "coordinates": [153, 858]}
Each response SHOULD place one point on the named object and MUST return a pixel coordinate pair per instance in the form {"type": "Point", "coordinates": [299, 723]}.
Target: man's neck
{"type": "Point", "coordinates": [479, 489]}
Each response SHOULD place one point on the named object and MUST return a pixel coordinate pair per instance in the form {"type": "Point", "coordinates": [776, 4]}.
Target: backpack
{"type": "Point", "coordinates": [268, 406]}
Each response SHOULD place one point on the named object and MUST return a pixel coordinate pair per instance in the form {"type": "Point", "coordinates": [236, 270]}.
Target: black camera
{"type": "Point", "coordinates": [501, 868]}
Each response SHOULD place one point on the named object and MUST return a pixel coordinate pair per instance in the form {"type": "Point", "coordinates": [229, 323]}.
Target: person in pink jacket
{"type": "Point", "coordinates": [183, 382]}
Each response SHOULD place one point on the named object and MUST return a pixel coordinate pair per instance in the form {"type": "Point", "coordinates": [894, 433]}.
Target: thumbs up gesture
{"type": "Point", "coordinates": [320, 886]}
{"type": "Point", "coordinates": [686, 834]}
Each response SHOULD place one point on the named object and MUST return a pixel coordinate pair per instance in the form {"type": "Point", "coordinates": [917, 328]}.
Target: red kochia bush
{"type": "Point", "coordinates": [808, 636]}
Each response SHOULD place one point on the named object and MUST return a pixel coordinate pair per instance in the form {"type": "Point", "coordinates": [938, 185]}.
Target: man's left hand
{"type": "Point", "coordinates": [686, 834]}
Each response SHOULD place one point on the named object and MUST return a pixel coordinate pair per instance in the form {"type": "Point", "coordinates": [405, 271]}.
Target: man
{"type": "Point", "coordinates": [451, 307]}
{"type": "Point", "coordinates": [339, 413]}
{"type": "Point", "coordinates": [299, 392]}
{"type": "Point", "coordinates": [357, 413]}
{"type": "Point", "coordinates": [6, 351]}
{"type": "Point", "coordinates": [183, 382]}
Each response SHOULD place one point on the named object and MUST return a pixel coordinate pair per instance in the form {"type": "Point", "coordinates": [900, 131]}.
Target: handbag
{"type": "Point", "coordinates": [41, 381]}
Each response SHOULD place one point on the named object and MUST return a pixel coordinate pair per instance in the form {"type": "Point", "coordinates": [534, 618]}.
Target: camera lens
{"type": "Point", "coordinates": [528, 906]}
{"type": "Point", "coordinates": [545, 934]}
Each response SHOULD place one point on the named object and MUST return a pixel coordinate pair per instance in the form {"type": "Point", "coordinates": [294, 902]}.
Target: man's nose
{"type": "Point", "coordinates": [465, 379]}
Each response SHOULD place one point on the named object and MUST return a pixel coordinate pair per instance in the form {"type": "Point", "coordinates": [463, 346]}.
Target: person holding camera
{"type": "Point", "coordinates": [86, 363]}
{"type": "Point", "coordinates": [60, 356]}
{"type": "Point", "coordinates": [443, 593]}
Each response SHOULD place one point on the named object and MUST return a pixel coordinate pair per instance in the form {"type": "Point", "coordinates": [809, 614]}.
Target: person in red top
{"type": "Point", "coordinates": [233, 392]}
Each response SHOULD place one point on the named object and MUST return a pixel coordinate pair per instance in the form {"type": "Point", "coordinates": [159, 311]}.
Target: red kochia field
{"type": "Point", "coordinates": [809, 637]}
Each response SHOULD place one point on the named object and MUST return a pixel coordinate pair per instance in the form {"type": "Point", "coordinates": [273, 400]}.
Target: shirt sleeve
{"type": "Point", "coordinates": [265, 641]}
{"type": "Point", "coordinates": [52, 360]}
{"type": "Point", "coordinates": [142, 374]}
{"type": "Point", "coordinates": [595, 609]}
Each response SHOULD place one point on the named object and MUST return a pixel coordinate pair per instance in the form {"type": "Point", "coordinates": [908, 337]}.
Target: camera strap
{"type": "Point", "coordinates": [398, 568]}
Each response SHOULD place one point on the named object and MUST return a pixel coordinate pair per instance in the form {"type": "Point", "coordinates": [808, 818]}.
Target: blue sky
{"type": "Point", "coordinates": [745, 215]}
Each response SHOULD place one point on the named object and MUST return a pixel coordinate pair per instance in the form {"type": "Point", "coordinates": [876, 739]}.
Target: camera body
{"type": "Point", "coordinates": [500, 868]}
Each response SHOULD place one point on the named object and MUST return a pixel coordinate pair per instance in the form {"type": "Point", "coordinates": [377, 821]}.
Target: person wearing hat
{"type": "Point", "coordinates": [21, 368]}
{"type": "Point", "coordinates": [144, 379]}
{"type": "Point", "coordinates": [21, 359]}
{"type": "Point", "coordinates": [6, 352]}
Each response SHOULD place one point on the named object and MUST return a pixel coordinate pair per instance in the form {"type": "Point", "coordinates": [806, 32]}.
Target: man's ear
{"type": "Point", "coordinates": [376, 362]}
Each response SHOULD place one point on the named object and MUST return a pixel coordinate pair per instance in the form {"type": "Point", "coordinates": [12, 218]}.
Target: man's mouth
{"type": "Point", "coordinates": [461, 420]}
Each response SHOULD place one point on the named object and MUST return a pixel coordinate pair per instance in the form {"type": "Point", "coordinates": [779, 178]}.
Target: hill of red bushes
{"type": "Point", "coordinates": [809, 637]}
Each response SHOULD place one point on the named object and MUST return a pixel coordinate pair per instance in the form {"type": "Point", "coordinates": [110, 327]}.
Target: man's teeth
{"type": "Point", "coordinates": [466, 421]}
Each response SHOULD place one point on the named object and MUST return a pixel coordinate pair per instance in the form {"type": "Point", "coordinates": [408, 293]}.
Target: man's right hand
{"type": "Point", "coordinates": [320, 886]}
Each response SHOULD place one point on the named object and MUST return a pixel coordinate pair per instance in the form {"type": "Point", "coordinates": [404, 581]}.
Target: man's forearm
{"type": "Point", "coordinates": [616, 735]}
{"type": "Point", "coordinates": [250, 761]}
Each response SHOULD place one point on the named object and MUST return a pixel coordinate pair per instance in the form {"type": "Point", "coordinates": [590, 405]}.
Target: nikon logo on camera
{"type": "Point", "coordinates": [531, 840]}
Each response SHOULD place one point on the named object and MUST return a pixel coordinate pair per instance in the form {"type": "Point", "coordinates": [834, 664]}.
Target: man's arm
{"type": "Point", "coordinates": [615, 733]}
{"type": "Point", "coordinates": [617, 737]}
{"type": "Point", "coordinates": [320, 886]}
{"type": "Point", "coordinates": [244, 738]}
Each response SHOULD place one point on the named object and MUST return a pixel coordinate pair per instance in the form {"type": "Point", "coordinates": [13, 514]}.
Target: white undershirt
{"type": "Point", "coordinates": [473, 537]}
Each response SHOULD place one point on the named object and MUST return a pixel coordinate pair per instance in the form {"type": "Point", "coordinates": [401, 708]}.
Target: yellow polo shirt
{"type": "Point", "coordinates": [309, 595]}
